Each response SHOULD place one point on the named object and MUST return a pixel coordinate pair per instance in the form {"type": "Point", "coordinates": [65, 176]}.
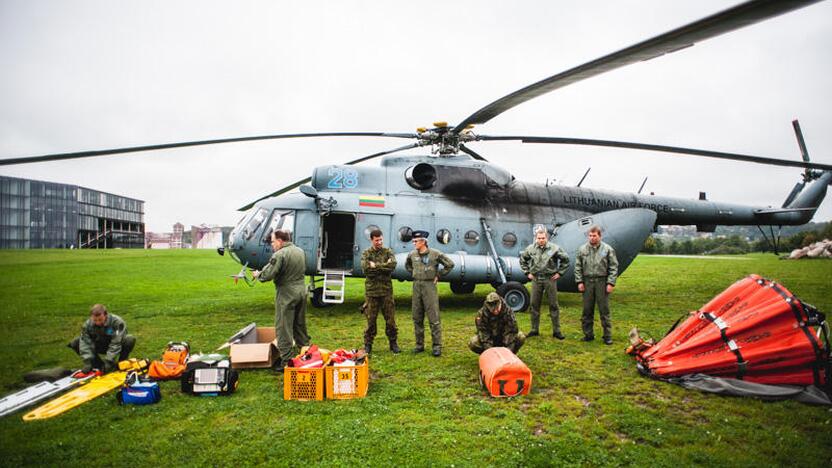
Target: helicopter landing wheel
{"type": "Point", "coordinates": [515, 294]}
{"type": "Point", "coordinates": [317, 298]}
{"type": "Point", "coordinates": [462, 288]}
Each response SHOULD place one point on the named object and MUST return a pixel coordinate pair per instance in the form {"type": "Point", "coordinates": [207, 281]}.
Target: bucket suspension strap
{"type": "Point", "coordinates": [742, 364]}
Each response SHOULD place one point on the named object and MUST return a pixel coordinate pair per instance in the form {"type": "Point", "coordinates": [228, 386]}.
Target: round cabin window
{"type": "Point", "coordinates": [443, 236]}
{"type": "Point", "coordinates": [405, 234]}
{"type": "Point", "coordinates": [369, 229]}
{"type": "Point", "coordinates": [472, 237]}
{"type": "Point", "coordinates": [509, 240]}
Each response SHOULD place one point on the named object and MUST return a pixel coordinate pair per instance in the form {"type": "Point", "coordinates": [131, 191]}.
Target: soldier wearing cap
{"type": "Point", "coordinates": [423, 263]}
{"type": "Point", "coordinates": [544, 263]}
{"type": "Point", "coordinates": [496, 326]}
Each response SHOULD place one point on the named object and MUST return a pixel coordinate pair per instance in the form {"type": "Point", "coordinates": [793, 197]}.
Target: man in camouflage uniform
{"type": "Point", "coordinates": [496, 326]}
{"type": "Point", "coordinates": [544, 262]}
{"type": "Point", "coordinates": [378, 263]}
{"type": "Point", "coordinates": [286, 268]}
{"type": "Point", "coordinates": [596, 269]}
{"type": "Point", "coordinates": [423, 263]}
{"type": "Point", "coordinates": [103, 333]}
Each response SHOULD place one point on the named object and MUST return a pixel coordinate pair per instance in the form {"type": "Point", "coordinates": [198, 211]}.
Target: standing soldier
{"type": "Point", "coordinates": [286, 268]}
{"type": "Point", "coordinates": [596, 269]}
{"type": "Point", "coordinates": [544, 262]}
{"type": "Point", "coordinates": [423, 262]}
{"type": "Point", "coordinates": [496, 326]}
{"type": "Point", "coordinates": [103, 333]}
{"type": "Point", "coordinates": [378, 263]}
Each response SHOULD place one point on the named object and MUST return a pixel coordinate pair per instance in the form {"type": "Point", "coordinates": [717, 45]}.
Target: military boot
{"type": "Point", "coordinates": [394, 347]}
{"type": "Point", "coordinates": [368, 348]}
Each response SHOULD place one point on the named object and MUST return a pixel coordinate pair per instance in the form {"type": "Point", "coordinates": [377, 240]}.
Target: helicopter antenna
{"type": "Point", "coordinates": [584, 177]}
{"type": "Point", "coordinates": [642, 186]}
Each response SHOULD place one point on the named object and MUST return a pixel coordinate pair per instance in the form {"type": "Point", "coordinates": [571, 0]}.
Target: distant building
{"type": "Point", "coordinates": [206, 237]}
{"type": "Point", "coordinates": [166, 240]}
{"type": "Point", "coordinates": [36, 214]}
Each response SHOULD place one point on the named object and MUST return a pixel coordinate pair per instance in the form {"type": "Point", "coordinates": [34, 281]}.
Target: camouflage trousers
{"type": "Point", "coordinates": [426, 302]}
{"type": "Point", "coordinates": [290, 319]}
{"type": "Point", "coordinates": [595, 292]}
{"type": "Point", "coordinates": [387, 306]}
{"type": "Point", "coordinates": [539, 286]}
{"type": "Point", "coordinates": [476, 345]}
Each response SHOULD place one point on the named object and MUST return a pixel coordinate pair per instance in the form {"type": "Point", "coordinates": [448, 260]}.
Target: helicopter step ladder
{"type": "Point", "coordinates": [334, 287]}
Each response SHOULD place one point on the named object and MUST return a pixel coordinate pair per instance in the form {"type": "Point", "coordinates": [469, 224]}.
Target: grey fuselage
{"type": "Point", "coordinates": [458, 193]}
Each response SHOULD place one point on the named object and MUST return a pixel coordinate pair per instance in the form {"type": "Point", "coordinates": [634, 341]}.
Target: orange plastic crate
{"type": "Point", "coordinates": [347, 382]}
{"type": "Point", "coordinates": [303, 384]}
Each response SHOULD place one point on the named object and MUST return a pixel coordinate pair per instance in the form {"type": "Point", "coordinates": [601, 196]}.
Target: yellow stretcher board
{"type": "Point", "coordinates": [86, 392]}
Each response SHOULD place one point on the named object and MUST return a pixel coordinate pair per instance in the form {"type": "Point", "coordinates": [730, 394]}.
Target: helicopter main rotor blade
{"type": "Point", "coordinates": [660, 148]}
{"type": "Point", "coordinates": [737, 17]}
{"type": "Point", "coordinates": [135, 149]}
{"type": "Point", "coordinates": [309, 179]}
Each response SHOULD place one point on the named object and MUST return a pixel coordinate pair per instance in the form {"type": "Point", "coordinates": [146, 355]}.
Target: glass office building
{"type": "Point", "coordinates": [35, 214]}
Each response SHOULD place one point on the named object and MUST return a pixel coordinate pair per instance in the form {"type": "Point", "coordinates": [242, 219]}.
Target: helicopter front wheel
{"type": "Point", "coordinates": [515, 294]}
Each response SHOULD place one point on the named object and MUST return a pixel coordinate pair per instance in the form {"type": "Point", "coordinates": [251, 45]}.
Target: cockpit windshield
{"type": "Point", "coordinates": [254, 223]}
{"type": "Point", "coordinates": [284, 220]}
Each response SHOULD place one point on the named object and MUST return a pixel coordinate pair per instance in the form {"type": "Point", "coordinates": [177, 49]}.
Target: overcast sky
{"type": "Point", "coordinates": [84, 75]}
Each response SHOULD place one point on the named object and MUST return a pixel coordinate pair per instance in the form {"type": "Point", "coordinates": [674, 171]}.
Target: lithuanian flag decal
{"type": "Point", "coordinates": [374, 202]}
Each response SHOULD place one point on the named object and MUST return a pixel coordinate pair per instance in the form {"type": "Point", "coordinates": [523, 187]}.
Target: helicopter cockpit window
{"type": "Point", "coordinates": [254, 223]}
{"type": "Point", "coordinates": [472, 237]}
{"type": "Point", "coordinates": [509, 239]}
{"type": "Point", "coordinates": [443, 236]}
{"type": "Point", "coordinates": [405, 234]}
{"type": "Point", "coordinates": [370, 228]}
{"type": "Point", "coordinates": [284, 220]}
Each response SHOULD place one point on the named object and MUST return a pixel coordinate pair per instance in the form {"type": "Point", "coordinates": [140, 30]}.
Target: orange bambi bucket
{"type": "Point", "coordinates": [503, 374]}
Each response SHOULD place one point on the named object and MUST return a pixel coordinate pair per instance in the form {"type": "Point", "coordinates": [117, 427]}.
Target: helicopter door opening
{"type": "Point", "coordinates": [337, 242]}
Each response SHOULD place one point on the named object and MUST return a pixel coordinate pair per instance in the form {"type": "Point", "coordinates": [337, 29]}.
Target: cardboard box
{"type": "Point", "coordinates": [257, 349]}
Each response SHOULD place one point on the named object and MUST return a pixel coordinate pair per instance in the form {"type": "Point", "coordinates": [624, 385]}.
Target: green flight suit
{"type": "Point", "coordinates": [286, 268]}
{"type": "Point", "coordinates": [543, 263]}
{"type": "Point", "coordinates": [425, 299]}
{"type": "Point", "coordinates": [596, 267]}
{"type": "Point", "coordinates": [378, 292]}
{"type": "Point", "coordinates": [111, 340]}
{"type": "Point", "coordinates": [496, 330]}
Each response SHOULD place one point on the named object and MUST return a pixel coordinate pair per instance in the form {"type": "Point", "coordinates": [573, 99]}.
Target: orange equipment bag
{"type": "Point", "coordinates": [173, 362]}
{"type": "Point", "coordinates": [503, 374]}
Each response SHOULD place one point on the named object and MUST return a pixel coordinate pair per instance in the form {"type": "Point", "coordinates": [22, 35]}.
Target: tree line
{"type": "Point", "coordinates": [732, 245]}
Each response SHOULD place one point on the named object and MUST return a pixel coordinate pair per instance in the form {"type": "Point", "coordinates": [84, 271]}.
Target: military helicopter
{"type": "Point", "coordinates": [477, 212]}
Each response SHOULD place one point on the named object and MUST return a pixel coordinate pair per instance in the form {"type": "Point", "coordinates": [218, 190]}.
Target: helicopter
{"type": "Point", "coordinates": [477, 212]}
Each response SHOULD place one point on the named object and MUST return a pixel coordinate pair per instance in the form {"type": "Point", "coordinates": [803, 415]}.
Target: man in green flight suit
{"type": "Point", "coordinates": [596, 269]}
{"type": "Point", "coordinates": [103, 333]}
{"type": "Point", "coordinates": [286, 268]}
{"type": "Point", "coordinates": [496, 326]}
{"type": "Point", "coordinates": [544, 263]}
{"type": "Point", "coordinates": [378, 263]}
{"type": "Point", "coordinates": [423, 262]}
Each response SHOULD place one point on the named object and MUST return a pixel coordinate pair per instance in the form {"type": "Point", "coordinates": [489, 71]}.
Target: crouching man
{"type": "Point", "coordinates": [103, 334]}
{"type": "Point", "coordinates": [496, 326]}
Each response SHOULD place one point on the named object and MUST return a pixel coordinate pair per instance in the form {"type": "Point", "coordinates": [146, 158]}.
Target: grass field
{"type": "Point", "coordinates": [588, 405]}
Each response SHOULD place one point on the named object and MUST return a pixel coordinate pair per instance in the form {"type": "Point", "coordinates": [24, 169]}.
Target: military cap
{"type": "Point", "coordinates": [420, 234]}
{"type": "Point", "coordinates": [491, 301]}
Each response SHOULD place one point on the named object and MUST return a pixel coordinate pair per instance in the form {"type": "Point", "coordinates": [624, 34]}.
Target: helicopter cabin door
{"type": "Point", "coordinates": [337, 245]}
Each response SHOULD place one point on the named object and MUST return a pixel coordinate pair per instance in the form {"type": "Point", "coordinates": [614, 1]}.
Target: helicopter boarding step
{"type": "Point", "coordinates": [334, 287]}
